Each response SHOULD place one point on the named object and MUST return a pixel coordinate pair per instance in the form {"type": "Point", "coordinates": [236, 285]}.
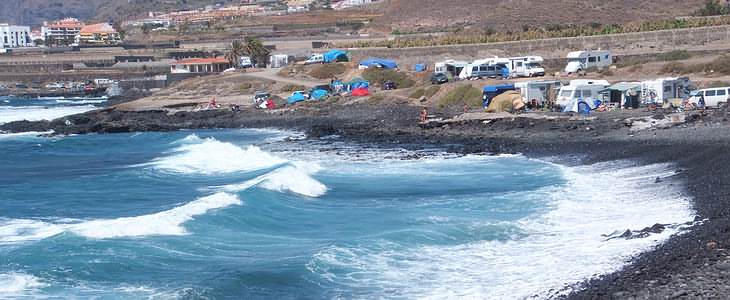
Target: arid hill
{"type": "Point", "coordinates": [430, 15]}
{"type": "Point", "coordinates": [34, 12]}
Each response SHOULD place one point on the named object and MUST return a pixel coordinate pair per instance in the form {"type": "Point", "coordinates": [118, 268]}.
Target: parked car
{"type": "Point", "coordinates": [261, 97]}
{"type": "Point", "coordinates": [21, 86]}
{"type": "Point", "coordinates": [389, 85]}
{"type": "Point", "coordinates": [55, 85]}
{"type": "Point", "coordinates": [439, 78]}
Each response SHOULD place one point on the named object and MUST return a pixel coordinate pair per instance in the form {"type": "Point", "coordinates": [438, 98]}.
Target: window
{"type": "Point", "coordinates": [592, 59]}
{"type": "Point", "coordinates": [577, 94]}
{"type": "Point", "coordinates": [565, 93]}
{"type": "Point", "coordinates": [710, 93]}
{"type": "Point", "coordinates": [475, 69]}
{"type": "Point", "coordinates": [599, 58]}
{"type": "Point", "coordinates": [721, 92]}
{"type": "Point", "coordinates": [667, 89]}
{"type": "Point", "coordinates": [518, 64]}
{"type": "Point", "coordinates": [587, 93]}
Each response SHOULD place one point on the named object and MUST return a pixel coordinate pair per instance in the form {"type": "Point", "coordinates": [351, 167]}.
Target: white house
{"type": "Point", "coordinates": [12, 36]}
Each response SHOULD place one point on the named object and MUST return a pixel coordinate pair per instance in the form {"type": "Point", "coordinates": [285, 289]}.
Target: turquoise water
{"type": "Point", "coordinates": [264, 214]}
{"type": "Point", "coordinates": [35, 109]}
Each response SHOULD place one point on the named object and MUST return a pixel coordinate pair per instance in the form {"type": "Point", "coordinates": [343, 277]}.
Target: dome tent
{"type": "Point", "coordinates": [335, 56]}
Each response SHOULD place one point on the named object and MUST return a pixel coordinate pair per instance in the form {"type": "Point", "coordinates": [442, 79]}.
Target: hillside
{"type": "Point", "coordinates": [34, 12]}
{"type": "Point", "coordinates": [434, 15]}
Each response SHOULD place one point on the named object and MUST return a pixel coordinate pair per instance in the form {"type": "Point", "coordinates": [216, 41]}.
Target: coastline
{"type": "Point", "coordinates": [687, 265]}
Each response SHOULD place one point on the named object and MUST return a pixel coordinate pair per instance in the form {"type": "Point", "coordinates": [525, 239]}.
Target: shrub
{"type": "Point", "coordinates": [463, 94]}
{"type": "Point", "coordinates": [244, 87]}
{"type": "Point", "coordinates": [720, 65]}
{"type": "Point", "coordinates": [674, 55]}
{"type": "Point", "coordinates": [717, 84]}
{"type": "Point", "coordinates": [327, 71]}
{"type": "Point", "coordinates": [378, 76]}
{"type": "Point", "coordinates": [432, 90]}
{"type": "Point", "coordinates": [293, 87]}
{"type": "Point", "coordinates": [418, 93]}
{"type": "Point", "coordinates": [673, 68]}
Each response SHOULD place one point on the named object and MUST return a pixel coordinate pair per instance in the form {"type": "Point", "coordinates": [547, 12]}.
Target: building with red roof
{"type": "Point", "coordinates": [200, 65]}
{"type": "Point", "coordinates": [99, 34]}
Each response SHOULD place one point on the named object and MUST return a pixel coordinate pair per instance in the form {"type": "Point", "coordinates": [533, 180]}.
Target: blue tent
{"type": "Point", "coordinates": [499, 87]}
{"type": "Point", "coordinates": [374, 62]}
{"type": "Point", "coordinates": [357, 83]}
{"type": "Point", "coordinates": [296, 97]}
{"type": "Point", "coordinates": [335, 55]}
{"type": "Point", "coordinates": [420, 67]}
{"type": "Point", "coordinates": [492, 91]}
{"type": "Point", "coordinates": [318, 94]}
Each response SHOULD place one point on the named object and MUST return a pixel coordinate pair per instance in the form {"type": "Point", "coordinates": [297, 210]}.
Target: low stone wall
{"type": "Point", "coordinates": [620, 44]}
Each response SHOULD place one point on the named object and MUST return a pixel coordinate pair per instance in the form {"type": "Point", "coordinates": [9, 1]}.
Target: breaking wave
{"type": "Point", "coordinates": [19, 285]}
{"type": "Point", "coordinates": [210, 156]}
{"type": "Point", "coordinates": [167, 222]}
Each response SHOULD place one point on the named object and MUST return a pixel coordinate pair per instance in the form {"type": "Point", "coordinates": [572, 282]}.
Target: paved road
{"type": "Point", "coordinates": [271, 74]}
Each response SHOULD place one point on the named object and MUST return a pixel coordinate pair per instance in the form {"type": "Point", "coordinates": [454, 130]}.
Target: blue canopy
{"type": "Point", "coordinates": [357, 83]}
{"type": "Point", "coordinates": [296, 97]}
{"type": "Point", "coordinates": [319, 94]}
{"type": "Point", "coordinates": [335, 55]}
{"type": "Point", "coordinates": [420, 67]}
{"type": "Point", "coordinates": [499, 87]}
{"type": "Point", "coordinates": [379, 63]}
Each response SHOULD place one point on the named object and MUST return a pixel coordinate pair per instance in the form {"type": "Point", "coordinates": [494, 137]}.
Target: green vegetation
{"type": "Point", "coordinates": [636, 62]}
{"type": "Point", "coordinates": [674, 55]}
{"type": "Point", "coordinates": [245, 87]}
{"type": "Point", "coordinates": [718, 66]}
{"type": "Point", "coordinates": [544, 32]}
{"type": "Point", "coordinates": [378, 76]}
{"type": "Point", "coordinates": [427, 92]}
{"type": "Point", "coordinates": [464, 94]}
{"type": "Point", "coordinates": [717, 84]}
{"type": "Point", "coordinates": [327, 71]}
{"type": "Point", "coordinates": [713, 8]}
{"type": "Point", "coordinates": [251, 47]}
{"type": "Point", "coordinates": [293, 87]}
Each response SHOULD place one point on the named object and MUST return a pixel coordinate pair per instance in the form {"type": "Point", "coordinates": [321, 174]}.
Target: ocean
{"type": "Point", "coordinates": [268, 214]}
{"type": "Point", "coordinates": [36, 109]}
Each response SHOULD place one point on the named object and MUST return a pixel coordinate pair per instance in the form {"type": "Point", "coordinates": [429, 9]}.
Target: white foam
{"type": "Point", "coordinates": [83, 101]}
{"type": "Point", "coordinates": [18, 230]}
{"type": "Point", "coordinates": [295, 178]}
{"type": "Point", "coordinates": [31, 134]}
{"type": "Point", "coordinates": [210, 156]}
{"type": "Point", "coordinates": [563, 247]}
{"type": "Point", "coordinates": [168, 222]}
{"type": "Point", "coordinates": [19, 285]}
{"type": "Point", "coordinates": [37, 113]}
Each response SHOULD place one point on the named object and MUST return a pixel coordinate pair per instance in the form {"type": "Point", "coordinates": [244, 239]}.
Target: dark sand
{"type": "Point", "coordinates": [692, 265]}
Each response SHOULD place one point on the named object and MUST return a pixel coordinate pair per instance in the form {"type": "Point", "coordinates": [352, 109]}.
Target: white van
{"type": "Point", "coordinates": [526, 66]}
{"type": "Point", "coordinates": [314, 59]}
{"type": "Point", "coordinates": [713, 97]}
{"type": "Point", "coordinates": [581, 60]}
{"type": "Point", "coordinates": [581, 89]}
{"type": "Point", "coordinates": [245, 62]}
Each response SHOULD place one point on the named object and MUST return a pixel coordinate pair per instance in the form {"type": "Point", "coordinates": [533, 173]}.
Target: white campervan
{"type": "Point", "coordinates": [581, 60]}
{"type": "Point", "coordinates": [315, 59]}
{"type": "Point", "coordinates": [526, 66]}
{"type": "Point", "coordinates": [713, 97]}
{"type": "Point", "coordinates": [539, 91]}
{"type": "Point", "coordinates": [660, 90]}
{"type": "Point", "coordinates": [581, 89]}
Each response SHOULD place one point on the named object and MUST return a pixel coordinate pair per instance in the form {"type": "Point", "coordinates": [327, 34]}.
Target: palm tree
{"type": "Point", "coordinates": [255, 49]}
{"type": "Point", "coordinates": [234, 52]}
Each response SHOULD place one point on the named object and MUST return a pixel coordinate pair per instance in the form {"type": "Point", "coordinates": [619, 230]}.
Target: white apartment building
{"type": "Point", "coordinates": [12, 36]}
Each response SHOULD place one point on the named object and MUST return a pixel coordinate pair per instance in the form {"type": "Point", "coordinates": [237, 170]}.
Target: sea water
{"type": "Point", "coordinates": [241, 214]}
{"type": "Point", "coordinates": [46, 108]}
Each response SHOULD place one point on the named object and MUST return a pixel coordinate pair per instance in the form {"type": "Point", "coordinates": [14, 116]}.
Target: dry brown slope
{"type": "Point", "coordinates": [408, 15]}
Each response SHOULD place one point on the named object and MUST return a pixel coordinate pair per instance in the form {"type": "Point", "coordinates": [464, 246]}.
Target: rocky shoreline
{"type": "Point", "coordinates": [692, 265]}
